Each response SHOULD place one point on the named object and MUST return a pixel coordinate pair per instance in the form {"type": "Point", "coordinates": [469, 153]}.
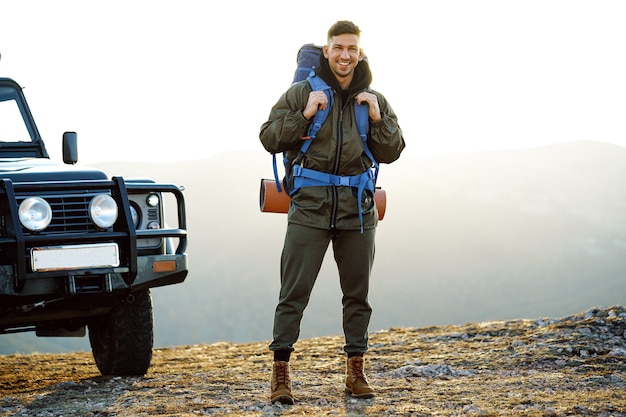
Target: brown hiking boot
{"type": "Point", "coordinates": [280, 384]}
{"type": "Point", "coordinates": [356, 382]}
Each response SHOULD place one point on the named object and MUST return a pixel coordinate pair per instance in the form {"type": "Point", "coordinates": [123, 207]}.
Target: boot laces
{"type": "Point", "coordinates": [281, 374]}
{"type": "Point", "coordinates": [356, 368]}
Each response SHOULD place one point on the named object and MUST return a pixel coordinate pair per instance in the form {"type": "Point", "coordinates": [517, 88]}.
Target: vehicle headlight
{"type": "Point", "coordinates": [103, 210]}
{"type": "Point", "coordinates": [35, 213]}
{"type": "Point", "coordinates": [134, 214]}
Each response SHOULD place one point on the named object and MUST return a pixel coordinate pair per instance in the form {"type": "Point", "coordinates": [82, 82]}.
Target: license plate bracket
{"type": "Point", "coordinates": [70, 257]}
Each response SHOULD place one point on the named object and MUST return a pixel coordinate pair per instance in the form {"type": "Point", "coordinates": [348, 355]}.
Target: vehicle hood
{"type": "Point", "coordinates": [41, 169]}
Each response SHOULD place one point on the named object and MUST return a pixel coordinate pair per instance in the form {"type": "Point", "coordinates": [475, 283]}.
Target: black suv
{"type": "Point", "coordinates": [79, 249]}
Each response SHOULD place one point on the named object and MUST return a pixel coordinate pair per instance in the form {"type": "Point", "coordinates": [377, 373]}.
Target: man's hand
{"type": "Point", "coordinates": [317, 100]}
{"type": "Point", "coordinates": [372, 100]}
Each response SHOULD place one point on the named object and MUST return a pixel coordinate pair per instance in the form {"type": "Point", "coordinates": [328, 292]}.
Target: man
{"type": "Point", "coordinates": [322, 214]}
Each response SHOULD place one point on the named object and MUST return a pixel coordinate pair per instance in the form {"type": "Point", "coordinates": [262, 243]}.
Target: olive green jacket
{"type": "Point", "coordinates": [337, 149]}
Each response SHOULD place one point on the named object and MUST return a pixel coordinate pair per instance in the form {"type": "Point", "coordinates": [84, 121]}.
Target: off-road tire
{"type": "Point", "coordinates": [121, 342]}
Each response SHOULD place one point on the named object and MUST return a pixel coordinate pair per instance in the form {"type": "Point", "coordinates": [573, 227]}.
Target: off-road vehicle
{"type": "Point", "coordinates": [80, 250]}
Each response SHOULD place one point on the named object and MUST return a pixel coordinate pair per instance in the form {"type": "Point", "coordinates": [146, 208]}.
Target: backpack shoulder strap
{"type": "Point", "coordinates": [318, 84]}
{"type": "Point", "coordinates": [361, 114]}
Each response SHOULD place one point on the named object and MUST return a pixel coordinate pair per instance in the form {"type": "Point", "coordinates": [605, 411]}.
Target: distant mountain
{"type": "Point", "coordinates": [468, 237]}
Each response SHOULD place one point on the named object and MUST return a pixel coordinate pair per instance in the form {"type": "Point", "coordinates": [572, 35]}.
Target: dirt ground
{"type": "Point", "coordinates": [571, 366]}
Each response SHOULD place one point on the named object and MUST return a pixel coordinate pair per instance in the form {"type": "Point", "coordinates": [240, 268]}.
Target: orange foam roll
{"type": "Point", "coordinates": [273, 201]}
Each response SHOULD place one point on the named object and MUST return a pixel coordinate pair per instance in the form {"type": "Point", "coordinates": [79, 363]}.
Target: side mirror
{"type": "Point", "coordinates": [70, 148]}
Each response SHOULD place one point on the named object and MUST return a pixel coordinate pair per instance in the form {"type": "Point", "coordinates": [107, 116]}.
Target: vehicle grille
{"type": "Point", "coordinates": [70, 214]}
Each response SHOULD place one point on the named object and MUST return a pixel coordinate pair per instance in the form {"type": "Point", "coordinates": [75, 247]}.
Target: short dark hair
{"type": "Point", "coordinates": [342, 27]}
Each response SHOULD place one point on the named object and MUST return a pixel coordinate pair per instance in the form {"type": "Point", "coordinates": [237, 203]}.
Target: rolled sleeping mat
{"type": "Point", "coordinates": [273, 201]}
{"type": "Point", "coordinates": [380, 197]}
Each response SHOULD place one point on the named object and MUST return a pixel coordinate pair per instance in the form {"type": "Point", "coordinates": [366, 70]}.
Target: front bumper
{"type": "Point", "coordinates": [34, 291]}
{"type": "Point", "coordinates": [80, 296]}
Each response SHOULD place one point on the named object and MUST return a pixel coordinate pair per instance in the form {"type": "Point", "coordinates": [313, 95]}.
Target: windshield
{"type": "Point", "coordinates": [12, 126]}
{"type": "Point", "coordinates": [19, 137]}
{"type": "Point", "coordinates": [12, 123]}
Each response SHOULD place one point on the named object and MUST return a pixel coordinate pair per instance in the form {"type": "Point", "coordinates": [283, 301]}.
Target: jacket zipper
{"type": "Point", "coordinates": [333, 214]}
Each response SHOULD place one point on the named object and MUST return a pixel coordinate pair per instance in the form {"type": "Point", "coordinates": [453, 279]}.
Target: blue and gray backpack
{"type": "Point", "coordinates": [297, 176]}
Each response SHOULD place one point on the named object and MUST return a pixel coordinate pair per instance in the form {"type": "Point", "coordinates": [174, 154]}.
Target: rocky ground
{"type": "Point", "coordinates": [570, 366]}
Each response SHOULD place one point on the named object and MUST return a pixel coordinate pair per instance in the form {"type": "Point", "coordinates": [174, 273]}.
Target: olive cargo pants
{"type": "Point", "coordinates": [301, 260]}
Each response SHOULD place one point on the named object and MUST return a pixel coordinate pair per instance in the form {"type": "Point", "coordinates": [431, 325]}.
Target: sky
{"type": "Point", "coordinates": [160, 81]}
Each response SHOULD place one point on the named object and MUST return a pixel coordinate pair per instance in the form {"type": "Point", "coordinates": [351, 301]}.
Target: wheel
{"type": "Point", "coordinates": [121, 342]}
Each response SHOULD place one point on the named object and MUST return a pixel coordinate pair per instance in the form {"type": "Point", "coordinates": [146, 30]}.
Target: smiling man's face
{"type": "Point", "coordinates": [343, 54]}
